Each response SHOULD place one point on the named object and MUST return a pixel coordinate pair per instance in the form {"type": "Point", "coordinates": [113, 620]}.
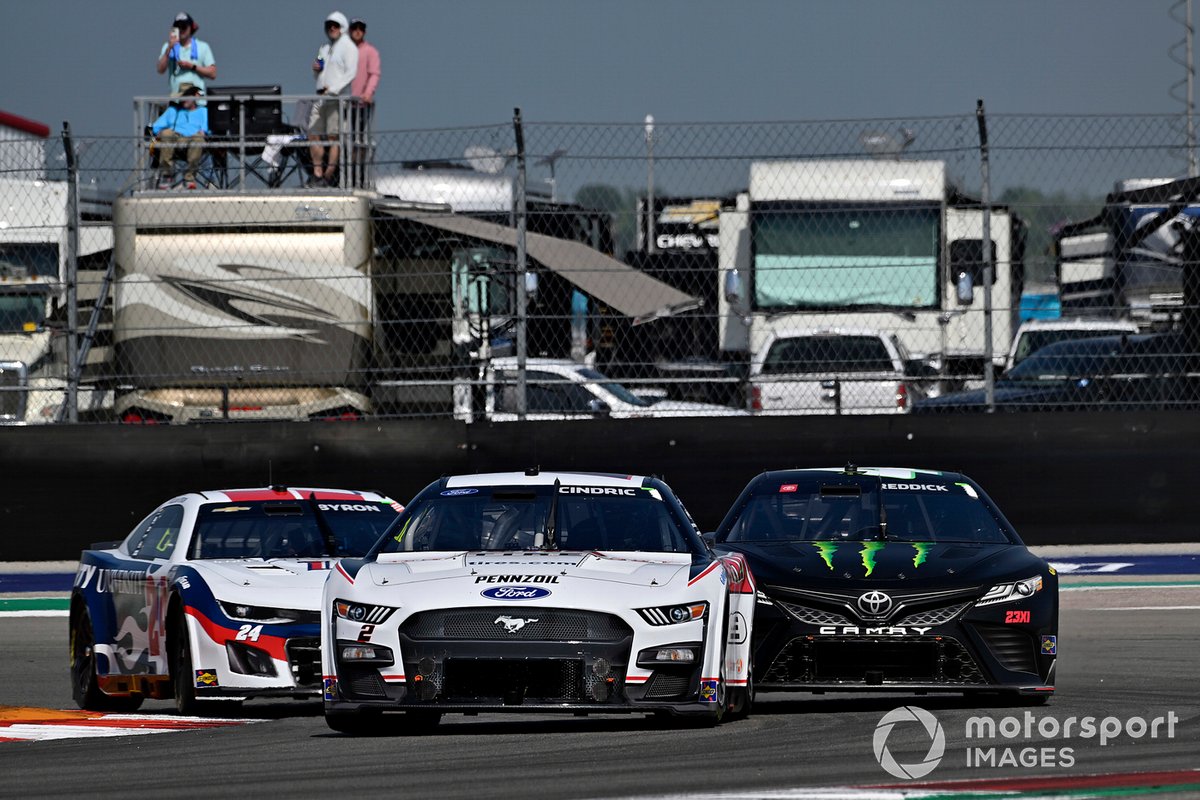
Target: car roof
{"type": "Point", "coordinates": [286, 493]}
{"type": "Point", "coordinates": [894, 473]}
{"type": "Point", "coordinates": [546, 479]}
{"type": "Point", "coordinates": [1077, 323]}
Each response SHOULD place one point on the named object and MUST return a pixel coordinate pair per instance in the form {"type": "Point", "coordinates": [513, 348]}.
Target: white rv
{"type": "Point", "coordinates": [242, 306]}
{"type": "Point", "coordinates": [870, 244]}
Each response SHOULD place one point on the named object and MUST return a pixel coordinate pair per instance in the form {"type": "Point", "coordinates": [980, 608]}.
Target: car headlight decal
{"type": "Point", "coordinates": [1013, 590]}
{"type": "Point", "coordinates": [361, 612]}
{"type": "Point", "coordinates": [674, 615]}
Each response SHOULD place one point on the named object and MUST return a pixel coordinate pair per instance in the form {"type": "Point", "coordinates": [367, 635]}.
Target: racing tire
{"type": "Point", "coordinates": [741, 699]}
{"type": "Point", "coordinates": [85, 686]}
{"type": "Point", "coordinates": [183, 685]}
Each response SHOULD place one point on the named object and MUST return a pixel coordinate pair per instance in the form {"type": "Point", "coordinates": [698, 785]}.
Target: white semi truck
{"type": "Point", "coordinates": [34, 253]}
{"type": "Point", "coordinates": [867, 244]}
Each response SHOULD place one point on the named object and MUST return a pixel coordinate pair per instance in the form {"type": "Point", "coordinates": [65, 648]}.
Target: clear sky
{"type": "Point", "coordinates": [467, 62]}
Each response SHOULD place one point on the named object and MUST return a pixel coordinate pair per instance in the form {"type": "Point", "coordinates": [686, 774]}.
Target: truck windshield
{"type": "Point", "coordinates": [21, 312]}
{"type": "Point", "coordinates": [846, 257]}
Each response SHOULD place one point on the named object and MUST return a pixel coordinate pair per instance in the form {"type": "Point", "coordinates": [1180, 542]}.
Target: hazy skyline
{"type": "Point", "coordinates": [450, 63]}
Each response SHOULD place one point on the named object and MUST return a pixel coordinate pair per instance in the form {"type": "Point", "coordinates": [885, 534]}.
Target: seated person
{"type": "Point", "coordinates": [178, 124]}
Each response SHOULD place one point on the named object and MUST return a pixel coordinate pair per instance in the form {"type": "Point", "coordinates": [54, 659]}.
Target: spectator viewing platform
{"type": "Point", "coordinates": [256, 137]}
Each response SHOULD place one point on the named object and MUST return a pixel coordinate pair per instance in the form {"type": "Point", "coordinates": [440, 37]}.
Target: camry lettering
{"type": "Point", "coordinates": [855, 630]}
{"type": "Point", "coordinates": [915, 487]}
{"type": "Point", "coordinates": [347, 507]}
{"type": "Point", "coordinates": [516, 579]}
{"type": "Point", "coordinates": [597, 490]}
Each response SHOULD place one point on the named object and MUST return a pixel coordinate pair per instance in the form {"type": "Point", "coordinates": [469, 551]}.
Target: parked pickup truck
{"type": "Point", "coordinates": [806, 371]}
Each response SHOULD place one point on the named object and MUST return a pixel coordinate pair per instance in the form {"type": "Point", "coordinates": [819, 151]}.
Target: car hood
{"type": "Point", "coordinates": [284, 583]}
{"type": "Point", "coordinates": [913, 565]}
{"type": "Point", "coordinates": [686, 408]}
{"type": "Point", "coordinates": [1009, 392]}
{"type": "Point", "coordinates": [531, 568]}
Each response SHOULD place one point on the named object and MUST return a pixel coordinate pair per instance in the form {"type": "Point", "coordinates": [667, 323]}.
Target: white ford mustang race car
{"type": "Point", "coordinates": [537, 592]}
{"type": "Point", "coordinates": [215, 595]}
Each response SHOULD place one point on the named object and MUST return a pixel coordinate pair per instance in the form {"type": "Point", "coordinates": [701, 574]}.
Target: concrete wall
{"type": "Point", "coordinates": [1060, 478]}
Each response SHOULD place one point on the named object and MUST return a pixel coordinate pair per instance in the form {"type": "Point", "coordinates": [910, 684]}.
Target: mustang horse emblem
{"type": "Point", "coordinates": [512, 624]}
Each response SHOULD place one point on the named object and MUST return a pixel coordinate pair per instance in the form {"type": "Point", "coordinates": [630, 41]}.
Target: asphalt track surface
{"type": "Point", "coordinates": [1128, 652]}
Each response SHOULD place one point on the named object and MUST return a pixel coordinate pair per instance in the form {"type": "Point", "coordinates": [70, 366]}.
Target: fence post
{"type": "Point", "coordinates": [71, 276]}
{"type": "Point", "coordinates": [985, 199]}
{"type": "Point", "coordinates": [522, 266]}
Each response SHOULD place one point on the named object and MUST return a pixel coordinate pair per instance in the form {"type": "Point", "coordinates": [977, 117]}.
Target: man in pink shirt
{"type": "Point", "coordinates": [366, 80]}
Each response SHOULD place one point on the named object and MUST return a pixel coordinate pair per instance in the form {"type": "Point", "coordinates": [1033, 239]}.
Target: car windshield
{"type": "Point", "coordinates": [835, 509]}
{"type": "Point", "coordinates": [1033, 340]}
{"type": "Point", "coordinates": [827, 354]}
{"type": "Point", "coordinates": [612, 387]}
{"type": "Point", "coordinates": [292, 529]}
{"type": "Point", "coordinates": [516, 518]}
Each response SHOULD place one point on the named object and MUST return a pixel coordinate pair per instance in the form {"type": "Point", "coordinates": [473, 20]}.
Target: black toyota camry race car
{"type": "Point", "coordinates": [891, 579]}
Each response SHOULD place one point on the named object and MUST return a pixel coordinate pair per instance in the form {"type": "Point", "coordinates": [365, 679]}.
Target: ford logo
{"type": "Point", "coordinates": [516, 593]}
{"type": "Point", "coordinates": [458, 492]}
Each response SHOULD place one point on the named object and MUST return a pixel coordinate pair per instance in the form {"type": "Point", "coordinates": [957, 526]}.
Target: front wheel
{"type": "Point", "coordinates": [85, 686]}
{"type": "Point", "coordinates": [741, 699]}
{"type": "Point", "coordinates": [183, 676]}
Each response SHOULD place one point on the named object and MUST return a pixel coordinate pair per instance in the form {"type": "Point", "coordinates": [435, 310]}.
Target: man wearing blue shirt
{"type": "Point", "coordinates": [186, 60]}
{"type": "Point", "coordinates": [184, 123]}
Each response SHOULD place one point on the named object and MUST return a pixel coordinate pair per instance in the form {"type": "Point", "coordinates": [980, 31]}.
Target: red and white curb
{"type": "Point", "coordinates": [23, 724]}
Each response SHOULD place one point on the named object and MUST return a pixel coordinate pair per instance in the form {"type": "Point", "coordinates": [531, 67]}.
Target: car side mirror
{"type": "Point", "coordinates": [598, 407]}
{"type": "Point", "coordinates": [964, 286]}
{"type": "Point", "coordinates": [709, 538]}
{"type": "Point", "coordinates": [733, 286]}
{"type": "Point", "coordinates": [105, 545]}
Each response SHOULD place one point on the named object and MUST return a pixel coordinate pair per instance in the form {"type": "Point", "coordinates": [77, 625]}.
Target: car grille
{"type": "Point", "coordinates": [906, 605]}
{"type": "Point", "coordinates": [363, 682]}
{"type": "Point", "coordinates": [916, 659]}
{"type": "Point", "coordinates": [1012, 647]}
{"type": "Point", "coordinates": [516, 624]}
{"type": "Point", "coordinates": [933, 616]}
{"type": "Point", "coordinates": [304, 659]}
{"type": "Point", "coordinates": [814, 616]}
{"type": "Point", "coordinates": [664, 685]}
{"type": "Point", "coordinates": [513, 682]}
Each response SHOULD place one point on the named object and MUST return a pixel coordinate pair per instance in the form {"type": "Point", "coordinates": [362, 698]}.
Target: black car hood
{"type": "Point", "coordinates": [1010, 393]}
{"type": "Point", "coordinates": [910, 565]}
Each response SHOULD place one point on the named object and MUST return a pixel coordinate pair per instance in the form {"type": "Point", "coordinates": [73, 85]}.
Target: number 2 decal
{"type": "Point", "coordinates": [249, 633]}
{"type": "Point", "coordinates": [365, 634]}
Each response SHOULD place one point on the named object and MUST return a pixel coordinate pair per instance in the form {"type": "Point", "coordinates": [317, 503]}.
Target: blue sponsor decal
{"type": "Point", "coordinates": [331, 688]}
{"type": "Point", "coordinates": [708, 691]}
{"type": "Point", "coordinates": [457, 492]}
{"type": "Point", "coordinates": [516, 593]}
{"type": "Point", "coordinates": [1049, 645]}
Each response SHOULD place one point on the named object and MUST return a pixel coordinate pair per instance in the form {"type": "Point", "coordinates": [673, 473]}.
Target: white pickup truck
{"type": "Point", "coordinates": [841, 371]}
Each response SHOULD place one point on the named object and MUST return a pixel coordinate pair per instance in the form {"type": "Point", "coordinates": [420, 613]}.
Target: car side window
{"type": "Point", "coordinates": [157, 535]}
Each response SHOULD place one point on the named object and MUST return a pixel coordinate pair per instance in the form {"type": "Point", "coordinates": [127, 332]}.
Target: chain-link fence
{"type": "Point", "coordinates": [553, 270]}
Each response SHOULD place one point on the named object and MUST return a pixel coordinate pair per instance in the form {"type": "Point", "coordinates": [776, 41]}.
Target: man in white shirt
{"type": "Point", "coordinates": [335, 68]}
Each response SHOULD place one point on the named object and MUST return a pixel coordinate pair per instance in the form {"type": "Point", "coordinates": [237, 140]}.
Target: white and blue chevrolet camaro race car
{"type": "Point", "coordinates": [537, 592]}
{"type": "Point", "coordinates": [215, 596]}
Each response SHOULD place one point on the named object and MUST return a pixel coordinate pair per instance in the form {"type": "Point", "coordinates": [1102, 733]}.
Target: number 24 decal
{"type": "Point", "coordinates": [249, 633]}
